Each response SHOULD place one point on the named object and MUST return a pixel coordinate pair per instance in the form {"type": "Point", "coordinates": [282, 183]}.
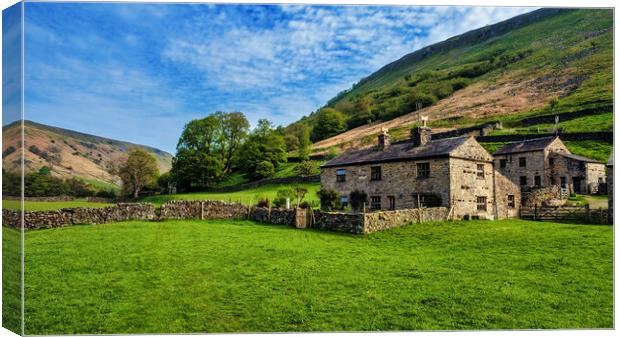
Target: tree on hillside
{"type": "Point", "coordinates": [207, 148]}
{"type": "Point", "coordinates": [303, 136]}
{"type": "Point", "coordinates": [263, 151]}
{"type": "Point", "coordinates": [139, 171]}
{"type": "Point", "coordinates": [329, 122]}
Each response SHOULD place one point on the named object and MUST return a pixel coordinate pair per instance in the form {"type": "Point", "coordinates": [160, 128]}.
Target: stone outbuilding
{"type": "Point", "coordinates": [544, 162]}
{"type": "Point", "coordinates": [456, 173]}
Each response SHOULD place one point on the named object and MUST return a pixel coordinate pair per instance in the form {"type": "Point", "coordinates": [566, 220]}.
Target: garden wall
{"type": "Point", "coordinates": [278, 216]}
{"type": "Point", "coordinates": [357, 223]}
{"type": "Point", "coordinates": [378, 221]}
{"type": "Point", "coordinates": [203, 209]}
{"type": "Point", "coordinates": [74, 216]}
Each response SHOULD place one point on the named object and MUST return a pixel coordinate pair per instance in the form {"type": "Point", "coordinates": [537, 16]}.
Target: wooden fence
{"type": "Point", "coordinates": [579, 214]}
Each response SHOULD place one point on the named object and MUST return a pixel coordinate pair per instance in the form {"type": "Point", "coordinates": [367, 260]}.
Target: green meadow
{"type": "Point", "coordinates": [241, 276]}
{"type": "Point", "coordinates": [248, 196]}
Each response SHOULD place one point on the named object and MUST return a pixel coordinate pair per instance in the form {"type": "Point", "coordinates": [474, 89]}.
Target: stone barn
{"type": "Point", "coordinates": [544, 162]}
{"type": "Point", "coordinates": [456, 173]}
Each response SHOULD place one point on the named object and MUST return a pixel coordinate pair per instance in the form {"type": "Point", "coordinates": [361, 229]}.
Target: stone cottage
{"type": "Point", "coordinates": [454, 172]}
{"type": "Point", "coordinates": [543, 162]}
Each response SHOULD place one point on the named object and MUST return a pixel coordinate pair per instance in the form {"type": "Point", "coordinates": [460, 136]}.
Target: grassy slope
{"type": "Point", "coordinates": [248, 197]}
{"type": "Point", "coordinates": [11, 280]}
{"type": "Point", "coordinates": [224, 276]}
{"type": "Point", "coordinates": [50, 205]}
{"type": "Point", "coordinates": [577, 44]}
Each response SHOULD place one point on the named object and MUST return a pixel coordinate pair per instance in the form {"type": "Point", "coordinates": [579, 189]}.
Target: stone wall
{"type": "Point", "coordinates": [378, 221]}
{"type": "Point", "coordinates": [604, 136]}
{"type": "Point", "coordinates": [610, 189]}
{"type": "Point", "coordinates": [203, 209]}
{"type": "Point", "coordinates": [278, 216]}
{"type": "Point", "coordinates": [74, 216]}
{"type": "Point", "coordinates": [339, 222]}
{"type": "Point", "coordinates": [537, 195]}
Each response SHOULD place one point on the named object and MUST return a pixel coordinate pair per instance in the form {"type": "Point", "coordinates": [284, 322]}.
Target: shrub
{"type": "Point", "coordinates": [265, 169]}
{"type": "Point", "coordinates": [329, 199]}
{"type": "Point", "coordinates": [45, 170]}
{"type": "Point", "coordinates": [262, 203]}
{"type": "Point", "coordinates": [357, 199]}
{"type": "Point", "coordinates": [282, 195]}
{"type": "Point", "coordinates": [109, 194]}
{"type": "Point", "coordinates": [8, 151]}
{"type": "Point", "coordinates": [304, 168]}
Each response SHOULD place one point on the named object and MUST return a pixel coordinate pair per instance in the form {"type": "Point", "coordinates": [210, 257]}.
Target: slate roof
{"type": "Point", "coordinates": [537, 144]}
{"type": "Point", "coordinates": [578, 158]}
{"type": "Point", "coordinates": [401, 151]}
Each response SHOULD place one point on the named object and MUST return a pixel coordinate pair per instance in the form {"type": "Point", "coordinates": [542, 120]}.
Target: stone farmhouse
{"type": "Point", "coordinates": [545, 162]}
{"type": "Point", "coordinates": [456, 173]}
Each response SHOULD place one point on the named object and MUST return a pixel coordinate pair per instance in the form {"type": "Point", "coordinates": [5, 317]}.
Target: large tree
{"type": "Point", "coordinates": [139, 171]}
{"type": "Point", "coordinates": [329, 122]}
{"type": "Point", "coordinates": [263, 152]}
{"type": "Point", "coordinates": [207, 147]}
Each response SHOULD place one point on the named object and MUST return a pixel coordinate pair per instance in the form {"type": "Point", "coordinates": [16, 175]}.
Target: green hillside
{"type": "Point", "coordinates": [509, 70]}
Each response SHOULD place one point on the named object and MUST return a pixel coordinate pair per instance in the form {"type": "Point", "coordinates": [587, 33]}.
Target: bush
{"type": "Point", "coordinates": [8, 151]}
{"type": "Point", "coordinates": [265, 169]}
{"type": "Point", "coordinates": [282, 195]}
{"type": "Point", "coordinates": [108, 194]}
{"type": "Point", "coordinates": [304, 168]}
{"type": "Point", "coordinates": [357, 199]}
{"type": "Point", "coordinates": [263, 203]}
{"type": "Point", "coordinates": [329, 200]}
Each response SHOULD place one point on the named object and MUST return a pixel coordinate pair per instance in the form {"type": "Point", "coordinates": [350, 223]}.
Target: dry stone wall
{"type": "Point", "coordinates": [203, 209]}
{"type": "Point", "coordinates": [537, 195]}
{"type": "Point", "coordinates": [378, 221]}
{"type": "Point", "coordinates": [75, 216]}
{"type": "Point", "coordinates": [357, 223]}
{"type": "Point", "coordinates": [339, 222]}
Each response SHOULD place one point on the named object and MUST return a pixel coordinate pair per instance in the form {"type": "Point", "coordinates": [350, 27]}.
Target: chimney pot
{"type": "Point", "coordinates": [420, 135]}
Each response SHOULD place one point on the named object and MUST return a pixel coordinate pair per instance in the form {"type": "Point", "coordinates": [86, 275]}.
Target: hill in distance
{"type": "Point", "coordinates": [71, 154]}
{"type": "Point", "coordinates": [506, 71]}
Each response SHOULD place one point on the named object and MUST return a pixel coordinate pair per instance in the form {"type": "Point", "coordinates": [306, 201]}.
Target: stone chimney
{"type": "Point", "coordinates": [420, 135]}
{"type": "Point", "coordinates": [384, 139]}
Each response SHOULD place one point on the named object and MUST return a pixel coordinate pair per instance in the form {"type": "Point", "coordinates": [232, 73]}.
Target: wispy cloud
{"type": "Point", "coordinates": [138, 72]}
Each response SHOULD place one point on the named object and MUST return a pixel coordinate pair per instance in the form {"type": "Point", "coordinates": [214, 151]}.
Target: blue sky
{"type": "Point", "coordinates": [139, 72]}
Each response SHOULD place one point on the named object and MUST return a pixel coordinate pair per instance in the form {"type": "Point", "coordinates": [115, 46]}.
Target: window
{"type": "Point", "coordinates": [537, 181]}
{"type": "Point", "coordinates": [511, 201]}
{"type": "Point", "coordinates": [523, 180]}
{"type": "Point", "coordinates": [480, 171]}
{"type": "Point", "coordinates": [375, 173]}
{"type": "Point", "coordinates": [423, 170]}
{"type": "Point", "coordinates": [551, 161]}
{"type": "Point", "coordinates": [522, 162]}
{"type": "Point", "coordinates": [344, 200]}
{"type": "Point", "coordinates": [392, 201]}
{"type": "Point", "coordinates": [563, 182]}
{"type": "Point", "coordinates": [481, 203]}
{"type": "Point", "coordinates": [502, 163]}
{"type": "Point", "coordinates": [375, 202]}
{"type": "Point", "coordinates": [341, 175]}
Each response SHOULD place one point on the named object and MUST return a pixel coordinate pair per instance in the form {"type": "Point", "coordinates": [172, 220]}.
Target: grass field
{"type": "Point", "coordinates": [248, 197]}
{"type": "Point", "coordinates": [50, 205]}
{"type": "Point", "coordinates": [240, 276]}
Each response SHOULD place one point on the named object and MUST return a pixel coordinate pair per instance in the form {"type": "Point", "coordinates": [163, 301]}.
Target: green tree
{"type": "Point", "coordinates": [329, 122]}
{"type": "Point", "coordinates": [45, 170]}
{"type": "Point", "coordinates": [263, 145]}
{"type": "Point", "coordinates": [207, 148]}
{"type": "Point", "coordinates": [304, 143]}
{"type": "Point", "coordinates": [139, 171]}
